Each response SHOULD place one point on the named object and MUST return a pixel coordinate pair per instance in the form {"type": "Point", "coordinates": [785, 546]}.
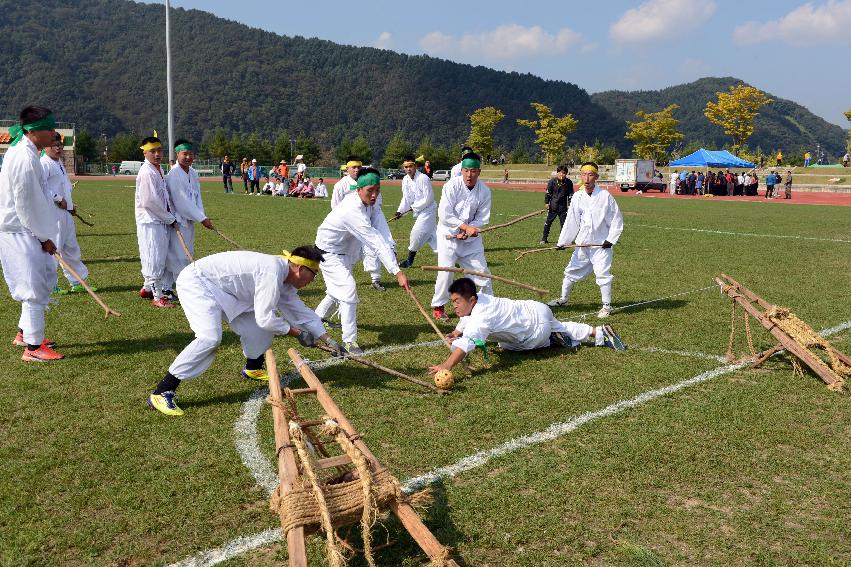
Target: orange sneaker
{"type": "Point", "coordinates": [41, 354]}
{"type": "Point", "coordinates": [163, 303]}
{"type": "Point", "coordinates": [19, 341]}
{"type": "Point", "coordinates": [146, 293]}
{"type": "Point", "coordinates": [439, 313]}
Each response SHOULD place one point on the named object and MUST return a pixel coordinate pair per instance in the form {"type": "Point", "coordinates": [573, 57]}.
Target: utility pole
{"type": "Point", "coordinates": [168, 82]}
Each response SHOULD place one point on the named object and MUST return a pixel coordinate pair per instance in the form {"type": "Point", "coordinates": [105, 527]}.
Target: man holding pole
{"type": "Point", "coordinates": [350, 227]}
{"type": "Point", "coordinates": [59, 189]}
{"type": "Point", "coordinates": [594, 223]}
{"type": "Point", "coordinates": [184, 189]}
{"type": "Point", "coordinates": [418, 197]}
{"type": "Point", "coordinates": [28, 226]}
{"type": "Point", "coordinates": [465, 207]}
{"type": "Point", "coordinates": [258, 295]}
{"type": "Point", "coordinates": [154, 222]}
{"type": "Point", "coordinates": [515, 325]}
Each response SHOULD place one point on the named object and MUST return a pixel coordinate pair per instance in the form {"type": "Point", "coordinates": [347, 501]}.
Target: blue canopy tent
{"type": "Point", "coordinates": [707, 158]}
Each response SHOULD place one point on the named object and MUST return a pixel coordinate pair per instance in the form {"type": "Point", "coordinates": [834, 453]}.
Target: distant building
{"type": "Point", "coordinates": [65, 129]}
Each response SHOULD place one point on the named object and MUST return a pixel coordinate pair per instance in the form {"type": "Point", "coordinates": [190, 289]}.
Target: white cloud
{"type": "Point", "coordinates": [384, 41]}
{"type": "Point", "coordinates": [664, 20]}
{"type": "Point", "coordinates": [510, 41]}
{"type": "Point", "coordinates": [807, 24]}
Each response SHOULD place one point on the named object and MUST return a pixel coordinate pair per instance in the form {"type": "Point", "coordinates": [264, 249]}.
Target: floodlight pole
{"type": "Point", "coordinates": [168, 82]}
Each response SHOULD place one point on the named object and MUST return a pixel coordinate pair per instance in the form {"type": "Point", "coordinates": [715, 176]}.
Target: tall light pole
{"type": "Point", "coordinates": [168, 82]}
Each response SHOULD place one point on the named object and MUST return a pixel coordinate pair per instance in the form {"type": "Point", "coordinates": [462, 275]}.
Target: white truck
{"type": "Point", "coordinates": [639, 174]}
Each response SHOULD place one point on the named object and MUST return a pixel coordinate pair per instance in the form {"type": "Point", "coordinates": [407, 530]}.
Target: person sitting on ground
{"type": "Point", "coordinates": [515, 325]}
{"type": "Point", "coordinates": [258, 295]}
{"type": "Point", "coordinates": [320, 192]}
{"type": "Point", "coordinates": [269, 186]}
{"type": "Point", "coordinates": [307, 190]}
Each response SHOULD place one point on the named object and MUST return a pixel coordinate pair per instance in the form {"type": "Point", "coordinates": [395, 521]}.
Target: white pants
{"type": "Point", "coordinates": [176, 258]}
{"type": "Point", "coordinates": [371, 263]}
{"type": "Point", "coordinates": [153, 250]}
{"type": "Point", "coordinates": [467, 255]}
{"type": "Point", "coordinates": [424, 230]}
{"type": "Point", "coordinates": [582, 263]}
{"type": "Point", "coordinates": [205, 319]}
{"type": "Point", "coordinates": [30, 273]}
{"type": "Point", "coordinates": [541, 324]}
{"type": "Point", "coordinates": [69, 248]}
{"type": "Point", "coordinates": [340, 288]}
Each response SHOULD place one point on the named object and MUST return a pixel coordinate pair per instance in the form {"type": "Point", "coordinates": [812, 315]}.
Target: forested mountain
{"type": "Point", "coordinates": [101, 64]}
{"type": "Point", "coordinates": [781, 124]}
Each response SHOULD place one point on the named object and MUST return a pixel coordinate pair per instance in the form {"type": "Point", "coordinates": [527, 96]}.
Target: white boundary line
{"type": "Point", "coordinates": [791, 236]}
{"type": "Point", "coordinates": [244, 544]}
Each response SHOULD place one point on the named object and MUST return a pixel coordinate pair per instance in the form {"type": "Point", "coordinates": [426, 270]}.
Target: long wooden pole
{"type": "Point", "coordinates": [183, 243]}
{"type": "Point", "coordinates": [217, 231]}
{"type": "Point", "coordinates": [409, 518]}
{"type": "Point", "coordinates": [394, 218]}
{"type": "Point", "coordinates": [287, 467]}
{"type": "Point", "coordinates": [82, 220]}
{"type": "Point", "coordinates": [425, 315]}
{"type": "Point", "coordinates": [533, 250]}
{"type": "Point", "coordinates": [386, 370]}
{"type": "Point", "coordinates": [503, 225]}
{"type": "Point", "coordinates": [743, 297]}
{"type": "Point", "coordinates": [109, 311]}
{"type": "Point", "coordinates": [537, 290]}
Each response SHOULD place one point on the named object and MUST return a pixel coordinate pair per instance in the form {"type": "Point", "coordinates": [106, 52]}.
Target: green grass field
{"type": "Point", "coordinates": [746, 468]}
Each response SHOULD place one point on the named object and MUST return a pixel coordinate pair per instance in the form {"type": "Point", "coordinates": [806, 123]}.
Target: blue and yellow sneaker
{"type": "Point", "coordinates": [260, 374]}
{"type": "Point", "coordinates": [165, 403]}
{"type": "Point", "coordinates": [611, 339]}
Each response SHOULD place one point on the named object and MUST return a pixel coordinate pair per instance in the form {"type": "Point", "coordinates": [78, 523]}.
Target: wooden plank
{"type": "Point", "coordinates": [331, 462]}
{"type": "Point", "coordinates": [287, 467]}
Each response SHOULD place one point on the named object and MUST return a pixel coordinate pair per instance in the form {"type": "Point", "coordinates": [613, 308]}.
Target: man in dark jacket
{"type": "Point", "coordinates": [557, 198]}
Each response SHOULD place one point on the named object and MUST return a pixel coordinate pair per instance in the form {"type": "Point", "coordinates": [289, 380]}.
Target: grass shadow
{"type": "Point", "coordinates": [171, 341]}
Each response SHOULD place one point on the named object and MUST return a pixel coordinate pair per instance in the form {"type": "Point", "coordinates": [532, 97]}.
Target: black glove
{"type": "Point", "coordinates": [398, 215]}
{"type": "Point", "coordinates": [338, 349]}
{"type": "Point", "coordinates": [607, 244]}
{"type": "Point", "coordinates": [560, 247]}
{"type": "Point", "coordinates": [306, 338]}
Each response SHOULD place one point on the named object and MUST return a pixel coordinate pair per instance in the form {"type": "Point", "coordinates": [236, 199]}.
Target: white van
{"type": "Point", "coordinates": [129, 167]}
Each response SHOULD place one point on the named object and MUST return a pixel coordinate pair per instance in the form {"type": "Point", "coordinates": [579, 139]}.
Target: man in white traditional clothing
{"type": "Point", "coordinates": [321, 191]}
{"type": "Point", "coordinates": [594, 223]}
{"type": "Point", "coordinates": [258, 295]}
{"type": "Point", "coordinates": [154, 222]}
{"type": "Point", "coordinates": [184, 189]}
{"type": "Point", "coordinates": [348, 186]}
{"type": "Point", "coordinates": [465, 207]}
{"type": "Point", "coordinates": [28, 227]}
{"type": "Point", "coordinates": [59, 188]}
{"type": "Point", "coordinates": [348, 228]}
{"type": "Point", "coordinates": [418, 197]}
{"type": "Point", "coordinates": [514, 325]}
{"type": "Point", "coordinates": [456, 169]}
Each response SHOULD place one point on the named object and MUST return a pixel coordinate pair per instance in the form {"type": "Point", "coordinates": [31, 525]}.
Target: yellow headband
{"type": "Point", "coordinates": [150, 146]}
{"type": "Point", "coordinates": [407, 163]}
{"type": "Point", "coordinates": [310, 264]}
{"type": "Point", "coordinates": [586, 168]}
{"type": "Point", "coordinates": [354, 164]}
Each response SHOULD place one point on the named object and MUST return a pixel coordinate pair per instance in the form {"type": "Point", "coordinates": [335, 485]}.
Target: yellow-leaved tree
{"type": "Point", "coordinates": [482, 123]}
{"type": "Point", "coordinates": [550, 131]}
{"type": "Point", "coordinates": [736, 110]}
{"type": "Point", "coordinates": [654, 133]}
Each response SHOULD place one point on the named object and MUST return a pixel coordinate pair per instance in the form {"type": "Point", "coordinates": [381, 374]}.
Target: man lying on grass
{"type": "Point", "coordinates": [514, 325]}
{"type": "Point", "coordinates": [258, 294]}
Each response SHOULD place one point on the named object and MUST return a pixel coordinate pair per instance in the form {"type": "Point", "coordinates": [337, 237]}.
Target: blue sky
{"type": "Point", "coordinates": [793, 49]}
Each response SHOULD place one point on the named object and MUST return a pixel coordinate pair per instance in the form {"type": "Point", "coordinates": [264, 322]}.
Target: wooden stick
{"type": "Point", "coordinates": [109, 311]}
{"type": "Point", "coordinates": [428, 319]}
{"type": "Point", "coordinates": [406, 514]}
{"type": "Point", "coordinates": [77, 209]}
{"type": "Point", "coordinates": [393, 218]}
{"type": "Point", "coordinates": [183, 243]}
{"type": "Point", "coordinates": [287, 466]}
{"type": "Point", "coordinates": [537, 290]}
{"type": "Point", "coordinates": [217, 231]}
{"type": "Point", "coordinates": [503, 225]}
{"type": "Point", "coordinates": [766, 354]}
{"type": "Point", "coordinates": [82, 220]}
{"type": "Point", "coordinates": [533, 250]}
{"type": "Point", "coordinates": [386, 370]}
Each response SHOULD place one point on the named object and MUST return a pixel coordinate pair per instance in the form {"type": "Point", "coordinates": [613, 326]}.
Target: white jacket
{"type": "Point", "coordinates": [497, 318]}
{"type": "Point", "coordinates": [57, 183]}
{"type": "Point", "coordinates": [342, 189]}
{"type": "Point", "coordinates": [417, 194]}
{"type": "Point", "coordinates": [153, 204]}
{"type": "Point", "coordinates": [24, 203]}
{"type": "Point", "coordinates": [592, 219]}
{"type": "Point", "coordinates": [185, 192]}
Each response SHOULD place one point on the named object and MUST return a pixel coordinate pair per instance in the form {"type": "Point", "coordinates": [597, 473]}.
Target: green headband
{"type": "Point", "coordinates": [368, 179]}
{"type": "Point", "coordinates": [17, 130]}
{"type": "Point", "coordinates": [470, 163]}
{"type": "Point", "coordinates": [187, 147]}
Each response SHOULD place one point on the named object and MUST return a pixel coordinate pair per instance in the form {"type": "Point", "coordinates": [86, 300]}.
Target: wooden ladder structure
{"type": "Point", "coordinates": [758, 308]}
{"type": "Point", "coordinates": [288, 466]}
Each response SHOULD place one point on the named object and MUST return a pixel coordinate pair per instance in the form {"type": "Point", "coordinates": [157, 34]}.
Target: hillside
{"type": "Point", "coordinates": [101, 64]}
{"type": "Point", "coordinates": [781, 124]}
